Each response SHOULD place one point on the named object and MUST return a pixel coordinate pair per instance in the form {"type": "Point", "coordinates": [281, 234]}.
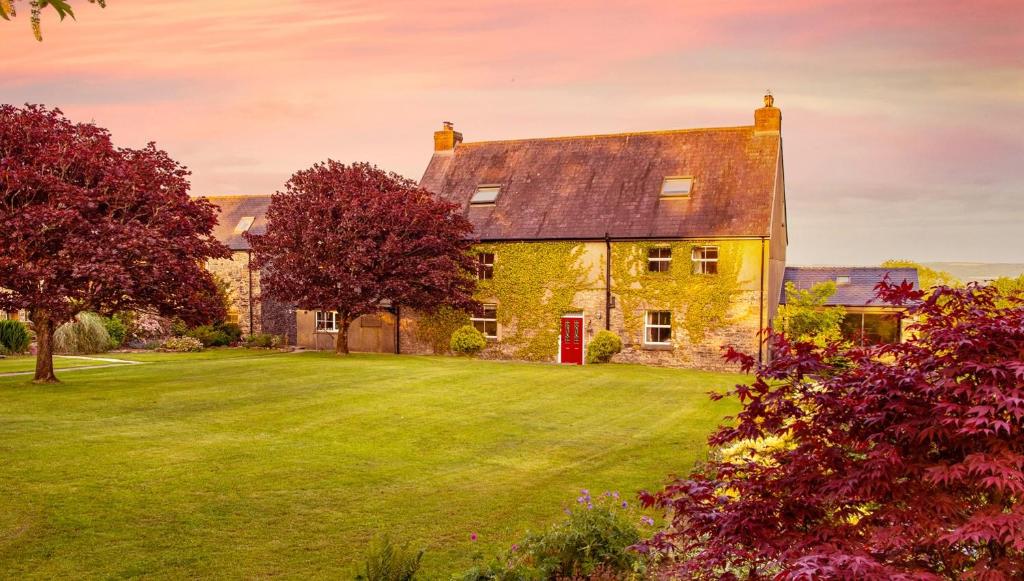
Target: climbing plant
{"type": "Point", "coordinates": [534, 284]}
{"type": "Point", "coordinates": [699, 303]}
{"type": "Point", "coordinates": [435, 329]}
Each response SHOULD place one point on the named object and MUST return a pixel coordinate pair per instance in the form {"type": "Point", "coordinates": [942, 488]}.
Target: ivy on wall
{"type": "Point", "coordinates": [435, 329]}
{"type": "Point", "coordinates": [534, 284]}
{"type": "Point", "coordinates": [699, 302]}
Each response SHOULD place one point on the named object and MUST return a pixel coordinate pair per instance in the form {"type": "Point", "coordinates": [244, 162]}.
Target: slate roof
{"type": "Point", "coordinates": [235, 208]}
{"type": "Point", "coordinates": [583, 187]}
{"type": "Point", "coordinates": [860, 292]}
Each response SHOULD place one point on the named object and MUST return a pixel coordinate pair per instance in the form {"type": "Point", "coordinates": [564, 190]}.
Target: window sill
{"type": "Point", "coordinates": [657, 346]}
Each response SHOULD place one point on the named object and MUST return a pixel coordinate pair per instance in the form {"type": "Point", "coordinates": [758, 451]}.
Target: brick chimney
{"type": "Point", "coordinates": [447, 138]}
{"type": "Point", "coordinates": [768, 119]}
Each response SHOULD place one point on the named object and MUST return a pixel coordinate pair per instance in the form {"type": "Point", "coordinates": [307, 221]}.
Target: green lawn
{"type": "Point", "coordinates": [242, 464]}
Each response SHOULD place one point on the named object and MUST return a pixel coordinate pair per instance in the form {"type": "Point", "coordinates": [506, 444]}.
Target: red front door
{"type": "Point", "coordinates": [572, 340]}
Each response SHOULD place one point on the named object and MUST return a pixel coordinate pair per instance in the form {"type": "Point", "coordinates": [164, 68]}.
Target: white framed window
{"type": "Point", "coordinates": [658, 328]}
{"type": "Point", "coordinates": [326, 322]}
{"type": "Point", "coordinates": [676, 187]}
{"type": "Point", "coordinates": [705, 260]}
{"type": "Point", "coordinates": [485, 266]}
{"type": "Point", "coordinates": [486, 320]}
{"type": "Point", "coordinates": [659, 259]}
{"type": "Point", "coordinates": [842, 279]}
{"type": "Point", "coordinates": [485, 195]}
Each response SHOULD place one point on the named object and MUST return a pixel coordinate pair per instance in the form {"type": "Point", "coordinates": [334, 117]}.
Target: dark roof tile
{"type": "Point", "coordinates": [860, 292]}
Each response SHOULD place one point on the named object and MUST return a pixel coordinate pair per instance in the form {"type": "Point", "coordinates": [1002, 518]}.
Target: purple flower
{"type": "Point", "coordinates": [590, 506]}
{"type": "Point", "coordinates": [615, 495]}
{"type": "Point", "coordinates": [515, 548]}
{"type": "Point", "coordinates": [472, 537]}
{"type": "Point", "coordinates": [647, 521]}
{"type": "Point", "coordinates": [585, 492]}
{"type": "Point", "coordinates": [625, 504]}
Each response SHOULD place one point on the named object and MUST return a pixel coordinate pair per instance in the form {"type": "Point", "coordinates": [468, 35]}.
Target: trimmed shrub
{"type": "Point", "coordinates": [231, 330]}
{"type": "Point", "coordinates": [209, 336]}
{"type": "Point", "coordinates": [178, 328]}
{"type": "Point", "coordinates": [388, 561]}
{"type": "Point", "coordinates": [467, 340]}
{"type": "Point", "coordinates": [116, 329]}
{"type": "Point", "coordinates": [603, 346]}
{"type": "Point", "coordinates": [85, 334]}
{"type": "Point", "coordinates": [14, 337]}
{"type": "Point", "coordinates": [263, 341]}
{"type": "Point", "coordinates": [182, 345]}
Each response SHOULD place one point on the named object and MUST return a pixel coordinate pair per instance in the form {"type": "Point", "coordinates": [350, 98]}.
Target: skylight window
{"type": "Point", "coordinates": [679, 187]}
{"type": "Point", "coordinates": [485, 195]}
{"type": "Point", "coordinates": [842, 279]}
{"type": "Point", "coordinates": [244, 224]}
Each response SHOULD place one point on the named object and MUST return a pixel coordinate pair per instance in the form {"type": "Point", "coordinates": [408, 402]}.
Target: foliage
{"type": "Point", "coordinates": [804, 318]}
{"type": "Point", "coordinates": [88, 226]}
{"type": "Point", "coordinates": [116, 329]}
{"type": "Point", "coordinates": [209, 336]}
{"type": "Point", "coordinates": [86, 334]}
{"type": "Point", "coordinates": [182, 344]}
{"type": "Point", "coordinates": [388, 240]}
{"type": "Point", "coordinates": [179, 328]}
{"type": "Point", "coordinates": [467, 340]}
{"type": "Point", "coordinates": [1009, 288]}
{"type": "Point", "coordinates": [928, 277]}
{"type": "Point", "coordinates": [699, 303]}
{"type": "Point", "coordinates": [534, 284]}
{"type": "Point", "coordinates": [436, 328]}
{"type": "Point", "coordinates": [603, 346]}
{"type": "Point", "coordinates": [14, 337]}
{"type": "Point", "coordinates": [8, 10]}
{"type": "Point", "coordinates": [231, 330]}
{"type": "Point", "coordinates": [904, 464]}
{"type": "Point", "coordinates": [263, 341]}
{"type": "Point", "coordinates": [389, 561]}
{"type": "Point", "coordinates": [594, 541]}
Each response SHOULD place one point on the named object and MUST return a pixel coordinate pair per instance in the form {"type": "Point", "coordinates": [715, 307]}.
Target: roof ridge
{"type": "Point", "coordinates": [230, 195]}
{"type": "Point", "coordinates": [621, 134]}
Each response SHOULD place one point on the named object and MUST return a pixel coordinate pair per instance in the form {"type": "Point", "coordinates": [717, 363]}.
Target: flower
{"type": "Point", "coordinates": [472, 537]}
{"type": "Point", "coordinates": [625, 504]}
{"type": "Point", "coordinates": [647, 521]}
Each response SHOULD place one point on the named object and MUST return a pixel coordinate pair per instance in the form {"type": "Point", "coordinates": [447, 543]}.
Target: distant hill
{"type": "Point", "coordinates": [969, 271]}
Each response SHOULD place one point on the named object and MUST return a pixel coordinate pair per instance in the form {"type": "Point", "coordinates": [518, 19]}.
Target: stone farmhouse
{"type": "Point", "coordinates": [675, 240]}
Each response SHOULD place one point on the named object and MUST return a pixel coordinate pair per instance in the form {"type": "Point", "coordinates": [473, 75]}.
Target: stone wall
{"type": "Point", "coordinates": [740, 327]}
{"type": "Point", "coordinates": [243, 288]}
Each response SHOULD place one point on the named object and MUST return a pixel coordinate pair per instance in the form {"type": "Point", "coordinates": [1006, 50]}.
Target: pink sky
{"type": "Point", "coordinates": [903, 120]}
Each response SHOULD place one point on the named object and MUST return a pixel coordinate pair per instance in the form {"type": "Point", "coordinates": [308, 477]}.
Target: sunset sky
{"type": "Point", "coordinates": [903, 121]}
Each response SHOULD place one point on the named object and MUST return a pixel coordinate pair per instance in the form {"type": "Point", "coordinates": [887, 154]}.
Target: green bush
{"type": "Point", "coordinates": [603, 346]}
{"type": "Point", "coordinates": [388, 561]}
{"type": "Point", "coordinates": [231, 330]}
{"type": "Point", "coordinates": [593, 542]}
{"type": "Point", "coordinates": [467, 340]}
{"type": "Point", "coordinates": [14, 338]}
{"type": "Point", "coordinates": [178, 328]}
{"type": "Point", "coordinates": [263, 340]}
{"type": "Point", "coordinates": [182, 344]}
{"type": "Point", "coordinates": [116, 329]}
{"type": "Point", "coordinates": [85, 334]}
{"type": "Point", "coordinates": [209, 336]}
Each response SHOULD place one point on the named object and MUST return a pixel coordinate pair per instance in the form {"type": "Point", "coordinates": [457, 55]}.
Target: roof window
{"type": "Point", "coordinates": [485, 195]}
{"type": "Point", "coordinates": [842, 279]}
{"type": "Point", "coordinates": [676, 187]}
{"type": "Point", "coordinates": [244, 224]}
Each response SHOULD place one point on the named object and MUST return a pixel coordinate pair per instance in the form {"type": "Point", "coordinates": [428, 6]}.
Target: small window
{"type": "Point", "coordinates": [485, 195]}
{"type": "Point", "coordinates": [659, 259]}
{"type": "Point", "coordinates": [676, 187]}
{"type": "Point", "coordinates": [842, 279]}
{"type": "Point", "coordinates": [705, 260]}
{"type": "Point", "coordinates": [486, 321]}
{"type": "Point", "coordinates": [244, 224]}
{"type": "Point", "coordinates": [485, 266]}
{"type": "Point", "coordinates": [232, 316]}
{"type": "Point", "coordinates": [658, 328]}
{"type": "Point", "coordinates": [326, 322]}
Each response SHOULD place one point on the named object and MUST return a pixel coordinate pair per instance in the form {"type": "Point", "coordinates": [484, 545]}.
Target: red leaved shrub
{"type": "Point", "coordinates": [904, 462]}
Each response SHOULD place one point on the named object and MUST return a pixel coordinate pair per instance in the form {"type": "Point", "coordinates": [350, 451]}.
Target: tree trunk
{"type": "Point", "coordinates": [44, 356]}
{"type": "Point", "coordinates": [341, 343]}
